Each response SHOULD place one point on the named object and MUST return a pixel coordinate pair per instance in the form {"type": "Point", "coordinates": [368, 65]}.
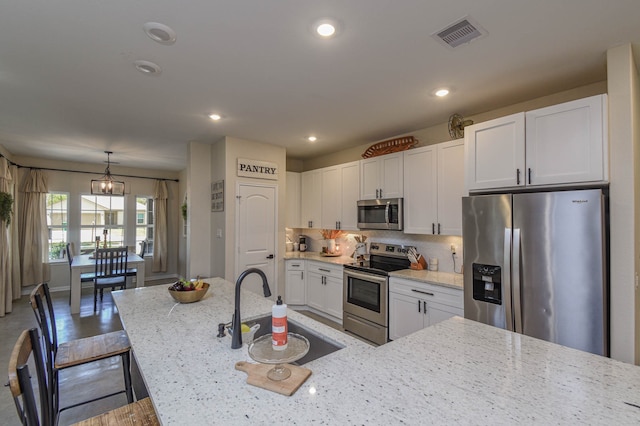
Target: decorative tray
{"type": "Point", "coordinates": [330, 254]}
{"type": "Point", "coordinates": [390, 146]}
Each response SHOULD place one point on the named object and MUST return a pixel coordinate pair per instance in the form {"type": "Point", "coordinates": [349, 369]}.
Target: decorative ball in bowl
{"type": "Point", "coordinates": [188, 292]}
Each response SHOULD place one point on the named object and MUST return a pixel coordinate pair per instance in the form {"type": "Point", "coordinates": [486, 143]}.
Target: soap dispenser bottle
{"type": "Point", "coordinates": [279, 325]}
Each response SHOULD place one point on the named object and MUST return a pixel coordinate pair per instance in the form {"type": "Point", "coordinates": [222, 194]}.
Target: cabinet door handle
{"type": "Point", "coordinates": [380, 192]}
{"type": "Point", "coordinates": [422, 292]}
{"type": "Point", "coordinates": [529, 171]}
{"type": "Point", "coordinates": [433, 228]}
{"type": "Point", "coordinates": [418, 306]}
{"type": "Point", "coordinates": [424, 307]}
{"type": "Point", "coordinates": [323, 270]}
{"type": "Point", "coordinates": [310, 224]}
{"type": "Point", "coordinates": [302, 275]}
{"type": "Point", "coordinates": [517, 176]}
{"type": "Point", "coordinates": [438, 229]}
{"type": "Point", "coordinates": [270, 256]}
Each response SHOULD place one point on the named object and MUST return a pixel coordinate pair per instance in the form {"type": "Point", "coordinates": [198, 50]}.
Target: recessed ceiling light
{"type": "Point", "coordinates": [215, 117]}
{"type": "Point", "coordinates": [146, 67]}
{"type": "Point", "coordinates": [326, 28]}
{"type": "Point", "coordinates": [312, 138]}
{"type": "Point", "coordinates": [442, 92]}
{"type": "Point", "coordinates": [160, 33]}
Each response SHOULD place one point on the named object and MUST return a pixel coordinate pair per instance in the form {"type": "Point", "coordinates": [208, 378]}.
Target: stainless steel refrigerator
{"type": "Point", "coordinates": [536, 264]}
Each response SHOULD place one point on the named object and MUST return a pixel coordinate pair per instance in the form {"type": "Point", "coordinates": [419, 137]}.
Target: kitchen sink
{"type": "Point", "coordinates": [319, 345]}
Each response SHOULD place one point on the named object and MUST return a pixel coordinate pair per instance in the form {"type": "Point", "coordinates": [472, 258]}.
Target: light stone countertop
{"type": "Point", "coordinates": [445, 279]}
{"type": "Point", "coordinates": [308, 255]}
{"type": "Point", "coordinates": [457, 371]}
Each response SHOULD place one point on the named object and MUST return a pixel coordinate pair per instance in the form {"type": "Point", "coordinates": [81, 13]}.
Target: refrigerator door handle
{"type": "Point", "coordinates": [506, 280]}
{"type": "Point", "coordinates": [517, 308]}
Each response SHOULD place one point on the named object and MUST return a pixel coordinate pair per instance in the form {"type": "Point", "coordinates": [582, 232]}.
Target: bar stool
{"type": "Point", "coordinates": [76, 352]}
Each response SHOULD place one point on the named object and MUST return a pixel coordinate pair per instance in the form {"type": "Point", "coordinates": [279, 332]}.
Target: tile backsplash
{"type": "Point", "coordinates": [430, 246]}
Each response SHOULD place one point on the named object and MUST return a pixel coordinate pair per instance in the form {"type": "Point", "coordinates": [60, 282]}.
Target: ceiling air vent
{"type": "Point", "coordinates": [460, 32]}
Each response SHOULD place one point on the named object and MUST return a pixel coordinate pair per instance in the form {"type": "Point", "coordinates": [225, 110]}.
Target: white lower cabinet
{"type": "Point", "coordinates": [296, 285]}
{"type": "Point", "coordinates": [324, 288]}
{"type": "Point", "coordinates": [414, 305]}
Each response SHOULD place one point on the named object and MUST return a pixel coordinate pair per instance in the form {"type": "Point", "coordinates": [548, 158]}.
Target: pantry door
{"type": "Point", "coordinates": [256, 234]}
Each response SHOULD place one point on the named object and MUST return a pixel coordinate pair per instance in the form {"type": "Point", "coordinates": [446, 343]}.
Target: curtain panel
{"type": "Point", "coordinates": [6, 284]}
{"type": "Point", "coordinates": [34, 238]}
{"type": "Point", "coordinates": [161, 196]}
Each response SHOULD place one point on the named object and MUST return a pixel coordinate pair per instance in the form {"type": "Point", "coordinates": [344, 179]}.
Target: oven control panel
{"type": "Point", "coordinates": [395, 250]}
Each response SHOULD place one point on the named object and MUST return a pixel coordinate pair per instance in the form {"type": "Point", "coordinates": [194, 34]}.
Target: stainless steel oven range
{"type": "Point", "coordinates": [366, 291]}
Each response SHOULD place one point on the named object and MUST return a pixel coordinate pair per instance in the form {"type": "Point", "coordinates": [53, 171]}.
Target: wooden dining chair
{"type": "Point", "coordinates": [110, 272]}
{"type": "Point", "coordinates": [85, 277]}
{"type": "Point", "coordinates": [60, 356]}
{"type": "Point", "coordinates": [33, 414]}
{"type": "Point", "coordinates": [132, 272]}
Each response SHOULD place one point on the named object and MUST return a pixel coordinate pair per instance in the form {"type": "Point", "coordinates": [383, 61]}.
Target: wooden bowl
{"type": "Point", "coordinates": [189, 296]}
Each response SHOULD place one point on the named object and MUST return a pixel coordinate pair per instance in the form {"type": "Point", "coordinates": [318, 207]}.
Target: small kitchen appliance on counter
{"type": "Point", "coordinates": [302, 243]}
{"type": "Point", "coordinates": [366, 291]}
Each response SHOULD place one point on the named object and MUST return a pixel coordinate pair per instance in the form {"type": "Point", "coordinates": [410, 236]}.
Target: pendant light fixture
{"type": "Point", "coordinates": [106, 185]}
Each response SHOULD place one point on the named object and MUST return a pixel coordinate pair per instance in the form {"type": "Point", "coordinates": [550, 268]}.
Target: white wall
{"type": "Point", "coordinates": [240, 148]}
{"type": "Point", "coordinates": [624, 102]}
{"type": "Point", "coordinates": [218, 219]}
{"type": "Point", "coordinates": [199, 210]}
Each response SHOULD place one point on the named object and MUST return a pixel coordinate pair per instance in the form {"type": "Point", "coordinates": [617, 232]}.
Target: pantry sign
{"type": "Point", "coordinates": [257, 169]}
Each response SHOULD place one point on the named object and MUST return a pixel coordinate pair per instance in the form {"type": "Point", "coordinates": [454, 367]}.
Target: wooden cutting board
{"type": "Point", "coordinates": [257, 376]}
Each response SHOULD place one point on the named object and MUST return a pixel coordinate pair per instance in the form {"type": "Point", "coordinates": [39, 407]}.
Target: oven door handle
{"type": "Point", "coordinates": [366, 277]}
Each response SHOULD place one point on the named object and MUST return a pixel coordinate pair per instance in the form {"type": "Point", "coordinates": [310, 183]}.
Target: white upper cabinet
{"type": "Point", "coordinates": [340, 190]}
{"type": "Point", "coordinates": [350, 185]}
{"type": "Point", "coordinates": [494, 153]}
{"type": "Point", "coordinates": [450, 187]}
{"type": "Point", "coordinates": [557, 145]}
{"type": "Point", "coordinates": [293, 200]}
{"type": "Point", "coordinates": [381, 177]}
{"type": "Point", "coordinates": [420, 190]}
{"type": "Point", "coordinates": [311, 199]}
{"type": "Point", "coordinates": [433, 189]}
{"type": "Point", "coordinates": [331, 197]}
{"type": "Point", "coordinates": [567, 143]}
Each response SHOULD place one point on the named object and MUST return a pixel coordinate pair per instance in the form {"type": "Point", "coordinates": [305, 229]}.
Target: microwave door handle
{"type": "Point", "coordinates": [386, 214]}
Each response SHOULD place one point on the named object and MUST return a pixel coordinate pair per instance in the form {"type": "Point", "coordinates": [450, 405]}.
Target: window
{"type": "Point", "coordinates": [144, 222]}
{"type": "Point", "coordinates": [57, 218]}
{"type": "Point", "coordinates": [101, 217]}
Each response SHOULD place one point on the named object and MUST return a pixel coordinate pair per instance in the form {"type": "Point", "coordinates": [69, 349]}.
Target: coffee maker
{"type": "Point", "coordinates": [302, 243]}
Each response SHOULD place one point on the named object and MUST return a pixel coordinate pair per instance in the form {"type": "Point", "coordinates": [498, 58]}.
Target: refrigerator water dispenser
{"type": "Point", "coordinates": [487, 283]}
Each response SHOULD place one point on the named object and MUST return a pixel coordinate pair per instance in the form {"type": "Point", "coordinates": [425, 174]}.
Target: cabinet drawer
{"type": "Point", "coordinates": [295, 265]}
{"type": "Point", "coordinates": [326, 269]}
{"type": "Point", "coordinates": [429, 292]}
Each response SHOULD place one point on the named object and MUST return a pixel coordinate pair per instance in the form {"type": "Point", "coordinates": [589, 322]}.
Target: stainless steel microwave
{"type": "Point", "coordinates": [380, 214]}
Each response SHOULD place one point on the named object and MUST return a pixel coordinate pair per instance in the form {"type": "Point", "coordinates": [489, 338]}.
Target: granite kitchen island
{"type": "Point", "coordinates": [458, 371]}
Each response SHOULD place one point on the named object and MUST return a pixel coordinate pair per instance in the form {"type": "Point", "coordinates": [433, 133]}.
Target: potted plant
{"type": "Point", "coordinates": [183, 207]}
{"type": "Point", "coordinates": [6, 207]}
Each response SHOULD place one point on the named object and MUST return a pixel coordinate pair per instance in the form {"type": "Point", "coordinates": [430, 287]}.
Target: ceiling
{"type": "Point", "coordinates": [70, 91]}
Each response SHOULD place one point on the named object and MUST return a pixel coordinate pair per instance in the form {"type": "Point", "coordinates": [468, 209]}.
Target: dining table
{"type": "Point", "coordinates": [83, 263]}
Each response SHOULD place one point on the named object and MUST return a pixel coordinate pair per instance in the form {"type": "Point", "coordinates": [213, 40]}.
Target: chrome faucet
{"type": "Point", "coordinates": [236, 338]}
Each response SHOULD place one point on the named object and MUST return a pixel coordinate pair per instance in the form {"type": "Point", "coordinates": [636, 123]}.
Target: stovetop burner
{"type": "Point", "coordinates": [384, 258]}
